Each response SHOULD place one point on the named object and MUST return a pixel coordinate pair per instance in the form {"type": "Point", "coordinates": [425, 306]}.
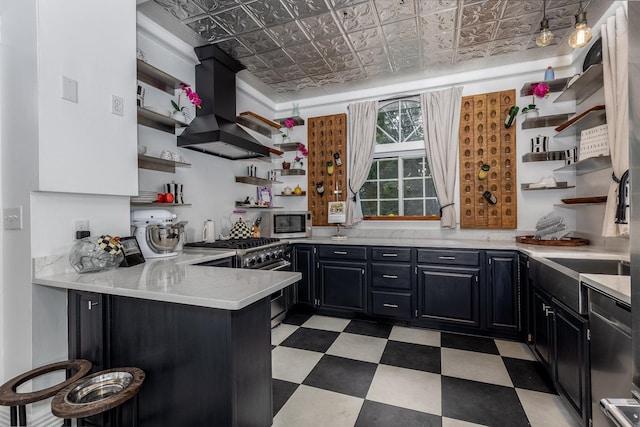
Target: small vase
{"type": "Point", "coordinates": [532, 114]}
{"type": "Point", "coordinates": [286, 139]}
{"type": "Point", "coordinates": [179, 116]}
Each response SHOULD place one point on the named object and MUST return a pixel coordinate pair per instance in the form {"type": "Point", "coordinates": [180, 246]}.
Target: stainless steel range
{"type": "Point", "coordinates": [259, 253]}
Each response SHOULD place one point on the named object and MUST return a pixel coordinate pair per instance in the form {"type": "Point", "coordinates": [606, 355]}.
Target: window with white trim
{"type": "Point", "coordinates": [399, 183]}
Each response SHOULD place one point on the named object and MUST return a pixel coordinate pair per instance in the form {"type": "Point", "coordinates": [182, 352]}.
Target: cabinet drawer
{"type": "Point", "coordinates": [430, 256]}
{"type": "Point", "coordinates": [391, 254]}
{"type": "Point", "coordinates": [343, 252]}
{"type": "Point", "coordinates": [391, 276]}
{"type": "Point", "coordinates": [391, 304]}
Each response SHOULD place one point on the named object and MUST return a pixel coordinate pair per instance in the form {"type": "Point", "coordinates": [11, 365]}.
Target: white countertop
{"type": "Point", "coordinates": [176, 280]}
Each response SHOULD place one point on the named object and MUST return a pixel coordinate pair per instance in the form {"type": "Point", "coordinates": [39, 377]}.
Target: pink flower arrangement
{"type": "Point", "coordinates": [541, 90]}
{"type": "Point", "coordinates": [303, 150]}
{"type": "Point", "coordinates": [191, 94]}
{"type": "Point", "coordinates": [289, 123]}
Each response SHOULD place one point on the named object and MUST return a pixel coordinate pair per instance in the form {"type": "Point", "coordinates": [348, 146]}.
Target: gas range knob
{"type": "Point", "coordinates": [267, 257]}
{"type": "Point", "coordinates": [251, 261]}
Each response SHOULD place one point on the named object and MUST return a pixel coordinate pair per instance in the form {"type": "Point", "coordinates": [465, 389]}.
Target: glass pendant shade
{"type": "Point", "coordinates": [582, 33]}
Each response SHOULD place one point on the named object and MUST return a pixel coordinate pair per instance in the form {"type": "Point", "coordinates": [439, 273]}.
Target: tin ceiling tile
{"type": "Point", "coordinates": [401, 30]}
{"type": "Point", "coordinates": [427, 7]}
{"type": "Point", "coordinates": [395, 10]}
{"type": "Point", "coordinates": [270, 12]}
{"type": "Point", "coordinates": [316, 67]}
{"type": "Point", "coordinates": [372, 56]}
{"type": "Point", "coordinates": [291, 72]}
{"type": "Point", "coordinates": [438, 57]}
{"type": "Point", "coordinates": [341, 3]}
{"type": "Point", "coordinates": [181, 10]}
{"type": "Point", "coordinates": [377, 70]}
{"type": "Point", "coordinates": [253, 63]}
{"type": "Point", "coordinates": [306, 8]}
{"type": "Point", "coordinates": [486, 11]}
{"type": "Point", "coordinates": [275, 58]}
{"type": "Point", "coordinates": [442, 41]}
{"type": "Point", "coordinates": [325, 79]}
{"type": "Point", "coordinates": [574, 4]}
{"type": "Point", "coordinates": [366, 39]}
{"type": "Point", "coordinates": [357, 17]}
{"type": "Point", "coordinates": [215, 5]}
{"type": "Point", "coordinates": [407, 48]}
{"type": "Point", "coordinates": [521, 25]}
{"type": "Point", "coordinates": [343, 62]}
{"type": "Point", "coordinates": [236, 20]}
{"type": "Point", "coordinates": [513, 9]}
{"type": "Point", "coordinates": [302, 83]}
{"type": "Point", "coordinates": [258, 40]}
{"type": "Point", "coordinates": [436, 22]}
{"type": "Point", "coordinates": [321, 26]}
{"type": "Point", "coordinates": [234, 48]}
{"type": "Point", "coordinates": [333, 46]}
{"type": "Point", "coordinates": [351, 74]}
{"type": "Point", "coordinates": [269, 76]}
{"type": "Point", "coordinates": [288, 34]}
{"type": "Point", "coordinates": [472, 52]}
{"type": "Point", "coordinates": [477, 34]}
{"type": "Point", "coordinates": [515, 44]}
{"type": "Point", "coordinates": [407, 64]}
{"type": "Point", "coordinates": [562, 17]}
{"type": "Point", "coordinates": [208, 29]}
{"type": "Point", "coordinates": [303, 52]}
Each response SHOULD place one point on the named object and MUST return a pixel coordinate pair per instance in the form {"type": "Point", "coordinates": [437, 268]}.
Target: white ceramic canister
{"type": "Point", "coordinates": [209, 231]}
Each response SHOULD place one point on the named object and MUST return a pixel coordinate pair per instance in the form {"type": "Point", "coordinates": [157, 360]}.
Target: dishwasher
{"type": "Point", "coordinates": [611, 358]}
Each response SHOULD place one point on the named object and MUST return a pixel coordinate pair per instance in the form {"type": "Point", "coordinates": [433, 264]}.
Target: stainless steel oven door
{"type": "Point", "coordinates": [278, 299]}
{"type": "Point", "coordinates": [275, 266]}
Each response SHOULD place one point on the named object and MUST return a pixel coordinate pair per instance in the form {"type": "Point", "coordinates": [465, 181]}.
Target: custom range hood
{"type": "Point", "coordinates": [214, 130]}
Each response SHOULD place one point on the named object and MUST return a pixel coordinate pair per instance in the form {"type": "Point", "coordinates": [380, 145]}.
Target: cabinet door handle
{"type": "Point", "coordinates": [448, 258]}
{"type": "Point", "coordinates": [390, 305]}
{"type": "Point", "coordinates": [389, 276]}
{"type": "Point", "coordinates": [91, 304]}
{"type": "Point", "coordinates": [391, 255]}
{"type": "Point", "coordinates": [340, 252]}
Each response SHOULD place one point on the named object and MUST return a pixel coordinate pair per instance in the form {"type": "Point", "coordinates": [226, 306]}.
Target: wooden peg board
{"type": "Point", "coordinates": [484, 140]}
{"type": "Point", "coordinates": [326, 135]}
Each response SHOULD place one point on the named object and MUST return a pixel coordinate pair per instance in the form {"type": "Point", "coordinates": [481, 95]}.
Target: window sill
{"type": "Point", "coordinates": [402, 218]}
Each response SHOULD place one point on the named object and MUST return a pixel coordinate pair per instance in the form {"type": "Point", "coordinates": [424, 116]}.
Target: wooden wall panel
{"type": "Point", "coordinates": [484, 140]}
{"type": "Point", "coordinates": [326, 135]}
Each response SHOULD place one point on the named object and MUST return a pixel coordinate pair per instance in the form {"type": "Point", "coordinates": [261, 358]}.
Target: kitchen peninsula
{"type": "Point", "coordinates": [201, 334]}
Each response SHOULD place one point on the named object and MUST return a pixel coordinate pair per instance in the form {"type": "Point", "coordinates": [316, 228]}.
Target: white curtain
{"type": "Point", "coordinates": [361, 134]}
{"type": "Point", "coordinates": [441, 121]}
{"type": "Point", "coordinates": [615, 53]}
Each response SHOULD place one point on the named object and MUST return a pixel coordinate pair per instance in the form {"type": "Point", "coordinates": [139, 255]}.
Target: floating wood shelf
{"type": "Point", "coordinates": [559, 186]}
{"type": "Point", "coordinates": [154, 204]}
{"type": "Point", "coordinates": [292, 172]}
{"type": "Point", "coordinates": [254, 180]}
{"type": "Point", "coordinates": [545, 156]}
{"type": "Point", "coordinates": [556, 85]}
{"type": "Point", "coordinates": [290, 146]}
{"type": "Point", "coordinates": [593, 117]}
{"type": "Point", "coordinates": [258, 123]}
{"type": "Point", "coordinates": [297, 120]}
{"type": "Point", "coordinates": [592, 164]}
{"type": "Point", "coordinates": [158, 121]}
{"type": "Point", "coordinates": [158, 164]}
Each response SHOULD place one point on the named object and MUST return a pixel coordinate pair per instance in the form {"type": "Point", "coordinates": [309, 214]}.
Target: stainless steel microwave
{"type": "Point", "coordinates": [288, 225]}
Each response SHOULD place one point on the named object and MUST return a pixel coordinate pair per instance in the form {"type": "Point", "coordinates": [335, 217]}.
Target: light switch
{"type": "Point", "coordinates": [69, 89]}
{"type": "Point", "coordinates": [12, 218]}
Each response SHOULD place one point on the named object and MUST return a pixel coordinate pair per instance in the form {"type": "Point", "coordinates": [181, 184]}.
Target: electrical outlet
{"type": "Point", "coordinates": [69, 89]}
{"type": "Point", "coordinates": [80, 225]}
{"type": "Point", "coordinates": [12, 218]}
{"type": "Point", "coordinates": [117, 105]}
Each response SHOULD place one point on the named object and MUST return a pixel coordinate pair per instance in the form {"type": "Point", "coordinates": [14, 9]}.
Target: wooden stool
{"type": "Point", "coordinates": [98, 393]}
{"type": "Point", "coordinates": [10, 397]}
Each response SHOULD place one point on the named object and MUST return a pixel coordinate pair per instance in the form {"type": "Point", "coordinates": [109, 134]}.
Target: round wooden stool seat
{"type": "Point", "coordinates": [97, 393]}
{"type": "Point", "coordinates": [10, 397]}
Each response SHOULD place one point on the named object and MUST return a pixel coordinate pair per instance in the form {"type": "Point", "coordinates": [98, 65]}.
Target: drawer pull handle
{"type": "Point", "coordinates": [391, 255]}
{"type": "Point", "coordinates": [340, 252]}
{"type": "Point", "coordinates": [390, 305]}
{"type": "Point", "coordinates": [389, 276]}
{"type": "Point", "coordinates": [449, 258]}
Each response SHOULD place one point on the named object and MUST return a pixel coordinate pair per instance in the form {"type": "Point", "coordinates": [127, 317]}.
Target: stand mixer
{"type": "Point", "coordinates": [155, 233]}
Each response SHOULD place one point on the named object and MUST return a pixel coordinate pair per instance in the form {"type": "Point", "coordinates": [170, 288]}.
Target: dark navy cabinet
{"type": "Point", "coordinates": [342, 278]}
{"type": "Point", "coordinates": [304, 262]}
{"type": "Point", "coordinates": [392, 281]}
{"type": "Point", "coordinates": [503, 292]}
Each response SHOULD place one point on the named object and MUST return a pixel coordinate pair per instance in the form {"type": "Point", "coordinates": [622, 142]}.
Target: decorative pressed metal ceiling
{"type": "Point", "coordinates": [294, 45]}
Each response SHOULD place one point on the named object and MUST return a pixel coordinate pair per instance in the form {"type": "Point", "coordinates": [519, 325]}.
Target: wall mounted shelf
{"type": "Point", "coordinates": [589, 165]}
{"type": "Point", "coordinates": [258, 124]}
{"type": "Point", "coordinates": [297, 120]}
{"type": "Point", "coordinates": [292, 172]}
{"type": "Point", "coordinates": [264, 208]}
{"type": "Point", "coordinates": [304, 193]}
{"type": "Point", "coordinates": [559, 186]}
{"type": "Point", "coordinates": [158, 121]}
{"type": "Point", "coordinates": [158, 78]}
{"type": "Point", "coordinates": [545, 156]}
{"type": "Point", "coordinates": [158, 164]}
{"type": "Point", "coordinates": [593, 117]}
{"type": "Point", "coordinates": [546, 121]}
{"type": "Point", "coordinates": [290, 146]}
{"type": "Point", "coordinates": [584, 86]}
{"type": "Point", "coordinates": [579, 205]}
{"type": "Point", "coordinates": [556, 85]}
{"type": "Point", "coordinates": [253, 180]}
{"type": "Point", "coordinates": [155, 204]}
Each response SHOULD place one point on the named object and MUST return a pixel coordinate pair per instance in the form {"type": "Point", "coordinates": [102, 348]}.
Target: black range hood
{"type": "Point", "coordinates": [214, 130]}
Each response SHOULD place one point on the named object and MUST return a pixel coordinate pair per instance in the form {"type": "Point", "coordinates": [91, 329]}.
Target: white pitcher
{"type": "Point", "coordinates": [209, 231]}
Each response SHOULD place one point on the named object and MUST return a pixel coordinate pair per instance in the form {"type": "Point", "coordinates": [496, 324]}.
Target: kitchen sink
{"type": "Point", "coordinates": [560, 277]}
{"type": "Point", "coordinates": [595, 266]}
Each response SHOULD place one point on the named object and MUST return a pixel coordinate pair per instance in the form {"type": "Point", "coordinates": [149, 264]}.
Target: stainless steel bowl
{"type": "Point", "coordinates": [99, 387]}
{"type": "Point", "coordinates": [161, 238]}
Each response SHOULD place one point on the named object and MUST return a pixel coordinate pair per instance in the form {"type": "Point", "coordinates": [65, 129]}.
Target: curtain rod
{"type": "Point", "coordinates": [396, 98]}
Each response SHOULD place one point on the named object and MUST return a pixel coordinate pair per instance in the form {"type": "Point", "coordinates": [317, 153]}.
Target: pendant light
{"type": "Point", "coordinates": [582, 33]}
{"type": "Point", "coordinates": [545, 36]}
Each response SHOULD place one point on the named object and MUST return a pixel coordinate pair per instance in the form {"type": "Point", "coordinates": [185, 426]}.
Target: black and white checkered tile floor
{"type": "Point", "coordinates": [337, 372]}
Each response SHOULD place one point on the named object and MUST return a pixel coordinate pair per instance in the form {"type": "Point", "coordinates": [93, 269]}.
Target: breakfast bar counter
{"type": "Point", "coordinates": [202, 335]}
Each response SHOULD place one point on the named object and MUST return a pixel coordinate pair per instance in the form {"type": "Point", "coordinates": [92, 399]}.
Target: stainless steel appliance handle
{"type": "Point", "coordinates": [390, 305]}
{"type": "Point", "coordinates": [602, 315]}
{"type": "Point", "coordinates": [391, 255]}
{"type": "Point", "coordinates": [389, 276]}
{"type": "Point", "coordinates": [340, 252]}
{"type": "Point", "coordinates": [276, 266]}
{"type": "Point", "coordinates": [450, 258]}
